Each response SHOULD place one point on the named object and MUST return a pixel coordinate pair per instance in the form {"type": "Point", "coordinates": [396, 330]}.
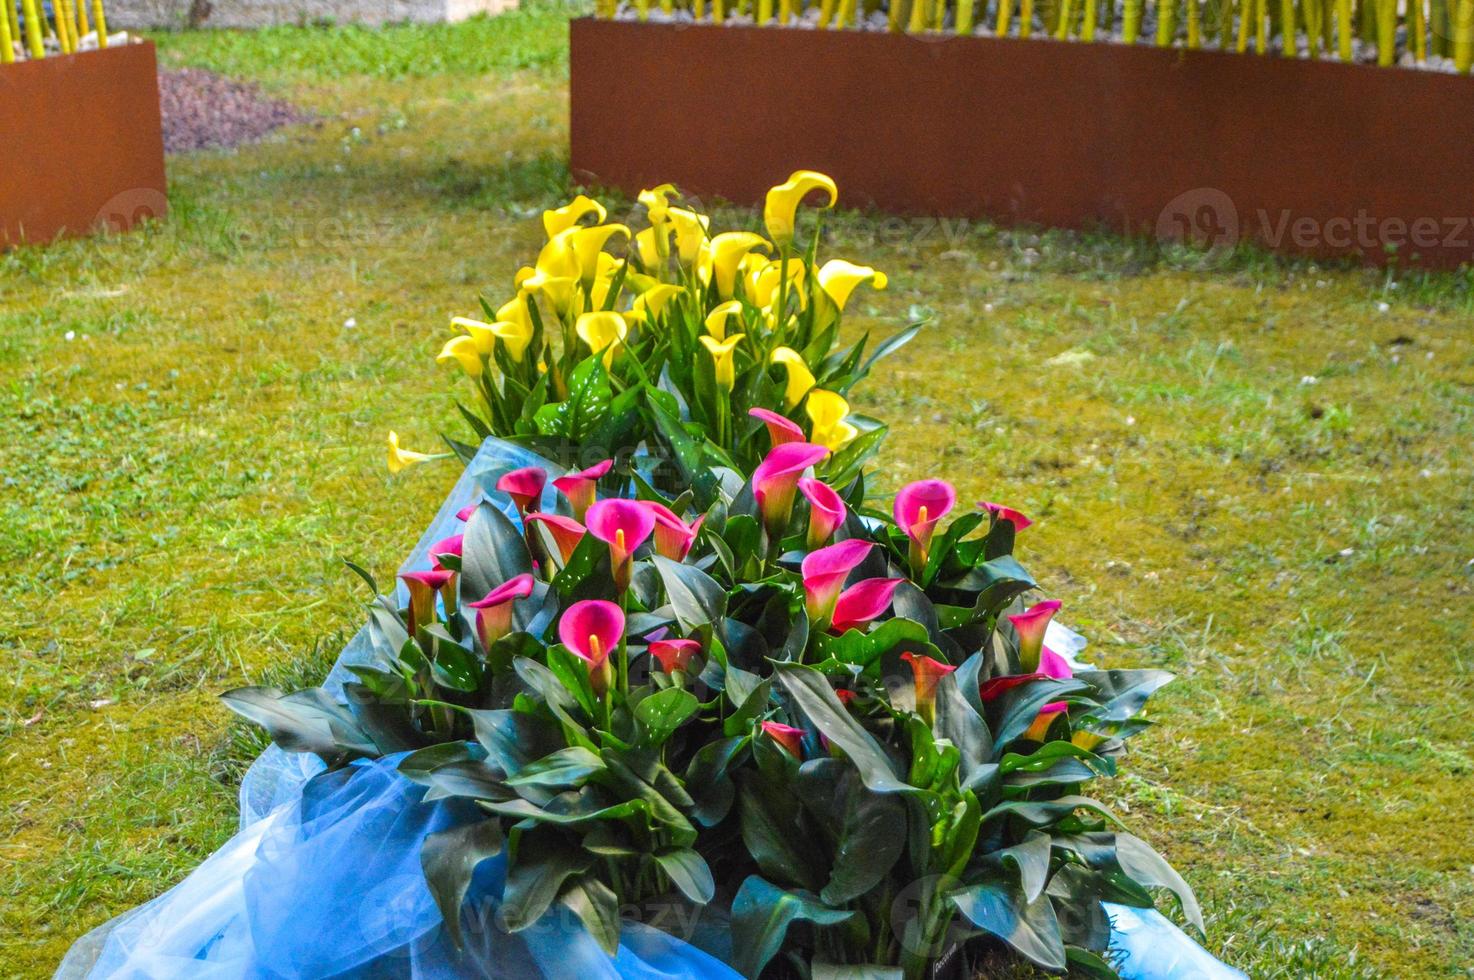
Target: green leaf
{"type": "Point", "coordinates": [597, 907]}
{"type": "Point", "coordinates": [993, 583]}
{"type": "Point", "coordinates": [664, 711]}
{"type": "Point", "coordinates": [449, 859]}
{"type": "Point", "coordinates": [866, 649]}
{"type": "Point", "coordinates": [573, 672]}
{"type": "Point", "coordinates": [810, 690]}
{"type": "Point", "coordinates": [688, 871]}
{"type": "Point", "coordinates": [1030, 860]}
{"type": "Point", "coordinates": [492, 553]}
{"type": "Point", "coordinates": [872, 834]}
{"type": "Point", "coordinates": [535, 877]}
{"type": "Point", "coordinates": [959, 723]}
{"type": "Point", "coordinates": [512, 739]}
{"type": "Point", "coordinates": [1030, 927]}
{"type": "Point", "coordinates": [1139, 860]}
{"type": "Point", "coordinates": [695, 596]}
{"type": "Point", "coordinates": [761, 915]}
{"type": "Point", "coordinates": [559, 770]}
{"type": "Point", "coordinates": [1123, 693]}
{"type": "Point", "coordinates": [418, 765]}
{"type": "Point", "coordinates": [770, 830]}
{"type": "Point", "coordinates": [586, 407]}
{"type": "Point", "coordinates": [1017, 707]}
{"type": "Point", "coordinates": [304, 721]}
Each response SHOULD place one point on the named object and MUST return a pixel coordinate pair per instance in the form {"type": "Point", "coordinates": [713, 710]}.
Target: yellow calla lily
{"type": "Point", "coordinates": [800, 378]}
{"type": "Point", "coordinates": [559, 291]}
{"type": "Point", "coordinates": [514, 336]}
{"type": "Point", "coordinates": [839, 278]}
{"type": "Point", "coordinates": [603, 331]}
{"type": "Point", "coordinates": [515, 311]}
{"type": "Point", "coordinates": [588, 244]}
{"type": "Point", "coordinates": [690, 231]}
{"type": "Point", "coordinates": [762, 286]}
{"type": "Point", "coordinates": [479, 332]}
{"type": "Point", "coordinates": [403, 459]}
{"type": "Point", "coordinates": [606, 266]}
{"type": "Point", "coordinates": [656, 298]}
{"type": "Point", "coordinates": [782, 202]}
{"type": "Point", "coordinates": [570, 214]}
{"type": "Point", "coordinates": [716, 320]}
{"type": "Point", "coordinates": [647, 245]}
{"type": "Point", "coordinates": [463, 351]}
{"type": "Point", "coordinates": [722, 356]}
{"type": "Point", "coordinates": [657, 202]}
{"type": "Point", "coordinates": [721, 255]}
{"type": "Point", "coordinates": [827, 411]}
{"type": "Point", "coordinates": [558, 258]}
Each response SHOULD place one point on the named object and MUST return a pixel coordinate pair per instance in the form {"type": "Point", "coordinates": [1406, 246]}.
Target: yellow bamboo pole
{"type": "Point", "coordinates": [846, 13]}
{"type": "Point", "coordinates": [1287, 28]}
{"type": "Point", "coordinates": [1026, 18]}
{"type": "Point", "coordinates": [83, 28]}
{"type": "Point", "coordinates": [62, 22]}
{"type": "Point", "coordinates": [964, 16]}
{"type": "Point", "coordinates": [33, 29]}
{"type": "Point", "coordinates": [1131, 21]}
{"type": "Point", "coordinates": [1261, 26]}
{"type": "Point", "coordinates": [1087, 22]}
{"type": "Point", "coordinates": [1166, 22]}
{"type": "Point", "coordinates": [1194, 26]}
{"type": "Point", "coordinates": [1066, 14]}
{"type": "Point", "coordinates": [1417, 30]}
{"type": "Point", "coordinates": [1464, 36]}
{"type": "Point", "coordinates": [12, 21]}
{"type": "Point", "coordinates": [1005, 11]}
{"type": "Point", "coordinates": [7, 41]}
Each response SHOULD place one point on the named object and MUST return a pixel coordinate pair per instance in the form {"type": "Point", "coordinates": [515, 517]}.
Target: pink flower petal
{"type": "Point", "coordinates": [524, 486]}
{"type": "Point", "coordinates": [1003, 513]}
{"type": "Point", "coordinates": [775, 480]}
{"type": "Point", "coordinates": [592, 629]}
{"type": "Point", "coordinates": [790, 738]}
{"type": "Point", "coordinates": [449, 546]}
{"type": "Point", "coordinates": [566, 532]}
{"type": "Point", "coordinates": [674, 655]}
{"type": "Point", "coordinates": [863, 602]}
{"type": "Point", "coordinates": [826, 510]}
{"type": "Point", "coordinates": [517, 587]}
{"type": "Point", "coordinates": [920, 505]}
{"type": "Point", "coordinates": [780, 428]}
{"type": "Point", "coordinates": [824, 573]}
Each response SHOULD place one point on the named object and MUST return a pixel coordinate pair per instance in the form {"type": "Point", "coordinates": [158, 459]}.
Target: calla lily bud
{"type": "Point", "coordinates": [790, 739]}
{"type": "Point", "coordinates": [402, 459]}
{"type": "Point", "coordinates": [566, 532]}
{"type": "Point", "coordinates": [525, 487]}
{"type": "Point", "coordinates": [494, 611]}
{"type": "Point", "coordinates": [422, 587]}
{"type": "Point", "coordinates": [917, 509]}
{"type": "Point", "coordinates": [1052, 665]}
{"type": "Point", "coordinates": [462, 350]}
{"type": "Point", "coordinates": [824, 573]}
{"type": "Point", "coordinates": [826, 510]}
{"type": "Point", "coordinates": [928, 673]}
{"type": "Point", "coordinates": [827, 411]}
{"type": "Point", "coordinates": [862, 603]}
{"type": "Point", "coordinates": [581, 488]}
{"type": "Point", "coordinates": [448, 546]}
{"type": "Point", "coordinates": [781, 206]}
{"type": "Point", "coordinates": [800, 378]}
{"type": "Point", "coordinates": [674, 655]}
{"type": "Point", "coordinates": [673, 536]}
{"type": "Point", "coordinates": [775, 481]}
{"type": "Point", "coordinates": [780, 428]}
{"type": "Point", "coordinates": [593, 629]}
{"type": "Point", "coordinates": [839, 278]}
{"type": "Point", "coordinates": [722, 357]}
{"type": "Point", "coordinates": [623, 525]}
{"type": "Point", "coordinates": [1002, 513]}
{"type": "Point", "coordinates": [1030, 626]}
{"type": "Point", "coordinates": [464, 514]}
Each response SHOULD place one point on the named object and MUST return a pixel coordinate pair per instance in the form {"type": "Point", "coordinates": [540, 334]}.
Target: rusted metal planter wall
{"type": "Point", "coordinates": [80, 144]}
{"type": "Point", "coordinates": [1310, 157]}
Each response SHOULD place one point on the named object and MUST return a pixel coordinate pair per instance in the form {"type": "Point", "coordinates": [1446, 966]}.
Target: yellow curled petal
{"type": "Point", "coordinates": [514, 337]}
{"type": "Point", "coordinates": [763, 285]}
{"type": "Point", "coordinates": [721, 255]}
{"type": "Point", "coordinates": [606, 266]}
{"type": "Point", "coordinates": [657, 202]}
{"type": "Point", "coordinates": [558, 259]}
{"type": "Point", "coordinates": [570, 214]}
{"type": "Point", "coordinates": [402, 459]}
{"type": "Point", "coordinates": [559, 291]}
{"type": "Point", "coordinates": [463, 351]}
{"type": "Point", "coordinates": [827, 411]}
{"type": "Point", "coordinates": [479, 332]}
{"type": "Point", "coordinates": [800, 378]}
{"type": "Point", "coordinates": [690, 231]}
{"type": "Point", "coordinates": [648, 248]}
{"type": "Point", "coordinates": [603, 331]}
{"type": "Point", "coordinates": [839, 278]}
{"type": "Point", "coordinates": [782, 203]}
{"type": "Point", "coordinates": [716, 320]}
{"type": "Point", "coordinates": [515, 310]}
{"type": "Point", "coordinates": [656, 298]}
{"type": "Point", "coordinates": [722, 357]}
{"type": "Point", "coordinates": [588, 245]}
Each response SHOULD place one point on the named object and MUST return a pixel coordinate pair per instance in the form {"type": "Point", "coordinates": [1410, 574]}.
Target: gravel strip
{"type": "Point", "coordinates": [204, 110]}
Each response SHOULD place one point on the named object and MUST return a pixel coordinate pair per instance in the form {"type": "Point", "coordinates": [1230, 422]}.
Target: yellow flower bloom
{"type": "Point", "coordinates": [827, 411]}
{"type": "Point", "coordinates": [559, 291]}
{"type": "Point", "coordinates": [655, 299]}
{"type": "Point", "coordinates": [606, 266]}
{"type": "Point", "coordinates": [800, 378]}
{"type": "Point", "coordinates": [402, 459]}
{"type": "Point", "coordinates": [657, 202]}
{"type": "Point", "coordinates": [690, 230]}
{"type": "Point", "coordinates": [558, 258]}
{"type": "Point", "coordinates": [603, 331]}
{"type": "Point", "coordinates": [722, 356]}
{"type": "Point", "coordinates": [514, 336]}
{"type": "Point", "coordinates": [721, 256]}
{"type": "Point", "coordinates": [648, 247]}
{"type": "Point", "coordinates": [839, 278]}
{"type": "Point", "coordinates": [716, 320]}
{"type": "Point", "coordinates": [588, 244]}
{"type": "Point", "coordinates": [782, 202]}
{"type": "Point", "coordinates": [515, 311]}
{"type": "Point", "coordinates": [463, 351]}
{"type": "Point", "coordinates": [570, 214]}
{"type": "Point", "coordinates": [762, 285]}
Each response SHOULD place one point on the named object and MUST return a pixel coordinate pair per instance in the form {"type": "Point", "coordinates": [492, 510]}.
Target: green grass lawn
{"type": "Point", "coordinates": [1258, 476]}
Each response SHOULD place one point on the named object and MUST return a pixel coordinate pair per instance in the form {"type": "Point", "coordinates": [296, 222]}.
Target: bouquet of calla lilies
{"type": "Point", "coordinates": [1421, 32]}
{"type": "Point", "coordinates": [842, 726]}
{"type": "Point", "coordinates": [672, 340]}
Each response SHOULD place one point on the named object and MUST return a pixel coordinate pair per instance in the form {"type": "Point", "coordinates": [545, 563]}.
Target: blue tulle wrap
{"type": "Point", "coordinates": [323, 879]}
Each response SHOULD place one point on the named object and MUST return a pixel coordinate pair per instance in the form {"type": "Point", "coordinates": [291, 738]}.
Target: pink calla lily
{"type": "Point", "coordinates": [673, 536]}
{"type": "Point", "coordinates": [1052, 665]}
{"type": "Point", "coordinates": [448, 546]}
{"type": "Point", "coordinates": [781, 429]}
{"type": "Point", "coordinates": [580, 488]}
{"type": "Point", "coordinates": [464, 514]}
{"type": "Point", "coordinates": [824, 573]}
{"type": "Point", "coordinates": [775, 481]}
{"type": "Point", "coordinates": [593, 629]}
{"type": "Point", "coordinates": [863, 602]}
{"type": "Point", "coordinates": [790, 739]}
{"type": "Point", "coordinates": [525, 487]}
{"type": "Point", "coordinates": [1031, 625]}
{"type": "Point", "coordinates": [826, 510]}
{"type": "Point", "coordinates": [928, 674]}
{"type": "Point", "coordinates": [623, 525]}
{"type": "Point", "coordinates": [917, 509]}
{"type": "Point", "coordinates": [565, 531]}
{"type": "Point", "coordinates": [674, 655]}
{"type": "Point", "coordinates": [494, 611]}
{"type": "Point", "coordinates": [1003, 513]}
{"type": "Point", "coordinates": [422, 588]}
